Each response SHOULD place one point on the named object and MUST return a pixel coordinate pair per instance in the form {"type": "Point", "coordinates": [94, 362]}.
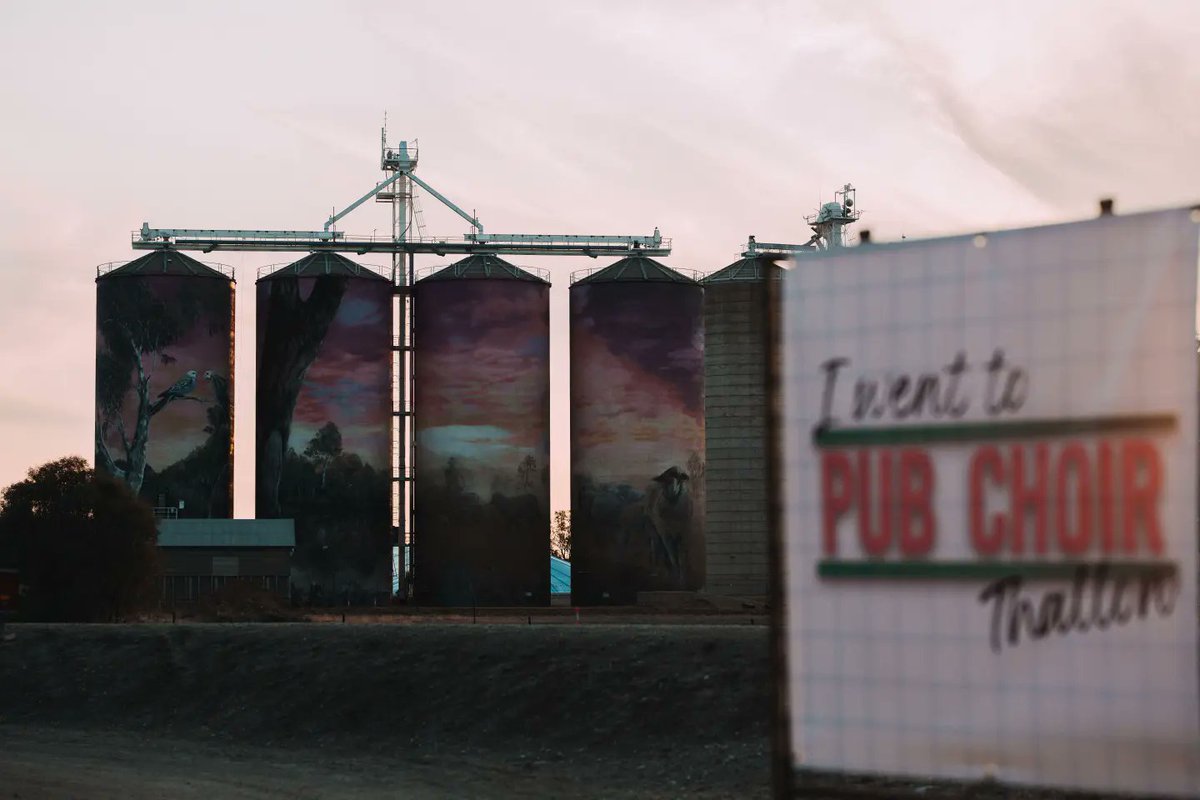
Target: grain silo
{"type": "Point", "coordinates": [482, 416]}
{"type": "Point", "coordinates": [164, 382]}
{"type": "Point", "coordinates": [324, 420]}
{"type": "Point", "coordinates": [637, 432]}
{"type": "Point", "coordinates": [735, 408]}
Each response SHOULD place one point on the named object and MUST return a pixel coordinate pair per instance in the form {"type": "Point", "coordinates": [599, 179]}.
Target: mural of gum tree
{"type": "Point", "coordinates": [482, 435]}
{"type": "Point", "coordinates": [323, 436]}
{"type": "Point", "coordinates": [164, 412]}
{"type": "Point", "coordinates": [637, 433]}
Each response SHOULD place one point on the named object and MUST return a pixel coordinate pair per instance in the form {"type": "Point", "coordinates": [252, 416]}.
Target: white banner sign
{"type": "Point", "coordinates": [990, 499]}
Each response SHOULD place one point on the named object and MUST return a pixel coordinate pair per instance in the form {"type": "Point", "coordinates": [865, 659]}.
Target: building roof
{"type": "Point", "coordinates": [164, 262]}
{"type": "Point", "coordinates": [316, 264]}
{"type": "Point", "coordinates": [560, 576]}
{"type": "Point", "coordinates": [747, 269]}
{"type": "Point", "coordinates": [636, 269]}
{"type": "Point", "coordinates": [483, 266]}
{"type": "Point", "coordinates": [226, 533]}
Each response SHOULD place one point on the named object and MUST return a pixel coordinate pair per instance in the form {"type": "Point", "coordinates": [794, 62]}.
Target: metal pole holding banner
{"type": "Point", "coordinates": [781, 743]}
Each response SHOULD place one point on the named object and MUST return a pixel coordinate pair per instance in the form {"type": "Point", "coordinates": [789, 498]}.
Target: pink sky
{"type": "Point", "coordinates": [710, 120]}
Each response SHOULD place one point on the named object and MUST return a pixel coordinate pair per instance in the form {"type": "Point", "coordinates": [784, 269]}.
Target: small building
{"type": "Point", "coordinates": [202, 555]}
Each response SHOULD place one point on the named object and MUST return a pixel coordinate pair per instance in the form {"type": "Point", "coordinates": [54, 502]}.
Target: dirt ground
{"type": "Point", "coordinates": [430, 706]}
{"type": "Point", "coordinates": [433, 710]}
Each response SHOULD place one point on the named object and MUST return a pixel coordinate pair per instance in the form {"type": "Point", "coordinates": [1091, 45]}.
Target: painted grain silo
{"type": "Point", "coordinates": [735, 408]}
{"type": "Point", "coordinates": [482, 414]}
{"type": "Point", "coordinates": [637, 432]}
{"type": "Point", "coordinates": [164, 382]}
{"type": "Point", "coordinates": [323, 424]}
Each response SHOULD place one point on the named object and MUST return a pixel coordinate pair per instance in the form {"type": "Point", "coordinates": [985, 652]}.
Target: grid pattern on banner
{"type": "Point", "coordinates": [903, 677]}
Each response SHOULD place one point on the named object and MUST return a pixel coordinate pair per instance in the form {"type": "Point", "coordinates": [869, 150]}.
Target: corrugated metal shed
{"type": "Point", "coordinates": [315, 265]}
{"type": "Point", "coordinates": [163, 262]}
{"type": "Point", "coordinates": [226, 533]}
{"type": "Point", "coordinates": [483, 267]}
{"type": "Point", "coordinates": [636, 269]}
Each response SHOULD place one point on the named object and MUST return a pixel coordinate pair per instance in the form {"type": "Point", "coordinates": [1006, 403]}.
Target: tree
{"type": "Point", "coordinates": [324, 447]}
{"type": "Point", "coordinates": [293, 332]}
{"type": "Point", "coordinates": [560, 535]}
{"type": "Point", "coordinates": [455, 476]}
{"type": "Point", "coordinates": [85, 545]}
{"type": "Point", "coordinates": [134, 323]}
{"type": "Point", "coordinates": [526, 470]}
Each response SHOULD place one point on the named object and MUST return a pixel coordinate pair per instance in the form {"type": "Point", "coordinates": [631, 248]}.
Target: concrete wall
{"type": "Point", "coordinates": [735, 420]}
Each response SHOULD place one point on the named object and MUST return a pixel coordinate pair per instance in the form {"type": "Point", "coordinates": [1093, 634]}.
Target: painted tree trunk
{"type": "Point", "coordinates": [293, 334]}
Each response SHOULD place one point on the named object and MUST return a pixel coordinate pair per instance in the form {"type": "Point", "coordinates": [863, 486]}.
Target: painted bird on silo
{"type": "Point", "coordinates": [220, 387]}
{"type": "Point", "coordinates": [181, 388]}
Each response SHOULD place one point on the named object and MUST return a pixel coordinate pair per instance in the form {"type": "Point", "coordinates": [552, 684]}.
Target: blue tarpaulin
{"type": "Point", "coordinates": [560, 576]}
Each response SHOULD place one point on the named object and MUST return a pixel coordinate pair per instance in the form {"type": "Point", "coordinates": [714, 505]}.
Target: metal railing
{"type": "Point", "coordinates": [386, 238]}
{"type": "Point", "coordinates": [426, 271]}
{"type": "Point", "coordinates": [692, 274]}
{"type": "Point", "coordinates": [165, 235]}
{"type": "Point", "coordinates": [383, 272]}
{"type": "Point", "coordinates": [377, 242]}
{"type": "Point", "coordinates": [655, 242]}
{"type": "Point", "coordinates": [109, 266]}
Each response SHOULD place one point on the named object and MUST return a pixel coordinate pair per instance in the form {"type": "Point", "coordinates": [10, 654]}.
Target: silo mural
{"type": "Point", "coordinates": [735, 409]}
{"type": "Point", "coordinates": [323, 424]}
{"type": "Point", "coordinates": [637, 432]}
{"type": "Point", "coordinates": [483, 435]}
{"type": "Point", "coordinates": [164, 382]}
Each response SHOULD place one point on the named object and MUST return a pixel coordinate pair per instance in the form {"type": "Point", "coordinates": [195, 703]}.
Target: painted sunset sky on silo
{"type": "Point", "coordinates": [637, 407]}
{"type": "Point", "coordinates": [487, 404]}
{"type": "Point", "coordinates": [483, 442]}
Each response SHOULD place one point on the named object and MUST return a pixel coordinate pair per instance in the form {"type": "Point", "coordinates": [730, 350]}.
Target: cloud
{"type": "Point", "coordinates": [477, 442]}
{"type": "Point", "coordinates": [507, 383]}
{"type": "Point", "coordinates": [1073, 117]}
{"type": "Point", "coordinates": [359, 311]}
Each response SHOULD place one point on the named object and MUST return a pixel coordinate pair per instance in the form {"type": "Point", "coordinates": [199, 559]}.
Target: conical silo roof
{"type": "Point", "coordinates": [164, 262]}
{"type": "Point", "coordinates": [479, 267]}
{"type": "Point", "coordinates": [746, 270]}
{"type": "Point", "coordinates": [315, 265]}
{"type": "Point", "coordinates": [636, 269]}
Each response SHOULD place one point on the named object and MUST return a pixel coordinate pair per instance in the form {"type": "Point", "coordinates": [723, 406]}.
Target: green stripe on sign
{"type": "Point", "coordinates": [976, 570]}
{"type": "Point", "coordinates": [984, 431]}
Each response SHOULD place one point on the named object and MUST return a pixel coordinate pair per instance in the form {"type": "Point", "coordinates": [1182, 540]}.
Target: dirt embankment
{"type": "Point", "coordinates": [655, 711]}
